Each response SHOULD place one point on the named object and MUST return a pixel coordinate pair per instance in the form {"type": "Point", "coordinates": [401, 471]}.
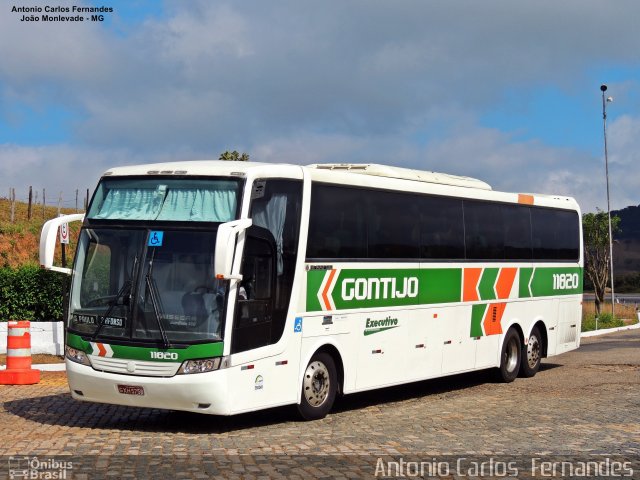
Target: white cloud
{"type": "Point", "coordinates": [488, 154]}
{"type": "Point", "coordinates": [261, 70]}
{"type": "Point", "coordinates": [34, 53]}
{"type": "Point", "coordinates": [60, 168]}
{"type": "Point", "coordinates": [624, 157]}
{"type": "Point", "coordinates": [624, 141]}
{"type": "Point", "coordinates": [521, 166]}
{"type": "Point", "coordinates": [400, 83]}
{"type": "Point", "coordinates": [196, 39]}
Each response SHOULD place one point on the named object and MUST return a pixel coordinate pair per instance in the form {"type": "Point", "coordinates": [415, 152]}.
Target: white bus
{"type": "Point", "coordinates": [227, 287]}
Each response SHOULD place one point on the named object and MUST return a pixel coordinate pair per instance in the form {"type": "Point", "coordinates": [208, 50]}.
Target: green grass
{"type": "Point", "coordinates": [19, 240]}
{"type": "Point", "coordinates": [604, 321]}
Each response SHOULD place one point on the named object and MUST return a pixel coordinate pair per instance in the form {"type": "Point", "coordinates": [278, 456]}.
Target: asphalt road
{"type": "Point", "coordinates": [621, 297]}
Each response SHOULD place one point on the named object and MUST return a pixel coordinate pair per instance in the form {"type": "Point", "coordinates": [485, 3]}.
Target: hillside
{"type": "Point", "coordinates": [626, 248]}
{"type": "Point", "coordinates": [629, 223]}
{"type": "Point", "coordinates": [19, 241]}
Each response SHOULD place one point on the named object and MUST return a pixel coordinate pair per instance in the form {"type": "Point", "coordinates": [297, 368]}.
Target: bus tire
{"type": "Point", "coordinates": [510, 357]}
{"type": "Point", "coordinates": [319, 387]}
{"type": "Point", "coordinates": [531, 355]}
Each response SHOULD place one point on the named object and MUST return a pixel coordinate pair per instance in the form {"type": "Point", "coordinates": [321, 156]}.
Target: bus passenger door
{"type": "Point", "coordinates": [254, 309]}
{"type": "Point", "coordinates": [252, 381]}
{"type": "Point", "coordinates": [266, 368]}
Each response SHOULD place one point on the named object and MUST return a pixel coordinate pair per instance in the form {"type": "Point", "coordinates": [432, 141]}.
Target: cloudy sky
{"type": "Point", "coordinates": [502, 90]}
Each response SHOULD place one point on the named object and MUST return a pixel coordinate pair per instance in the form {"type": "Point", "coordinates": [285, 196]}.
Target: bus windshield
{"type": "Point", "coordinates": [165, 199]}
{"type": "Point", "coordinates": [147, 285]}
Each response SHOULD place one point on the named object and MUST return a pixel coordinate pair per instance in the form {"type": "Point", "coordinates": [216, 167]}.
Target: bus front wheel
{"type": "Point", "coordinates": [319, 387]}
{"type": "Point", "coordinates": [510, 357]}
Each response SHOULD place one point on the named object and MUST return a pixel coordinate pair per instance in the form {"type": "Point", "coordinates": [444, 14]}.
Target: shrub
{"type": "Point", "coordinates": [30, 293]}
{"type": "Point", "coordinates": [606, 320]}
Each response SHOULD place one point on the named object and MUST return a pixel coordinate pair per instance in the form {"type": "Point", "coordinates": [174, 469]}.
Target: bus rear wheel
{"type": "Point", "coordinates": [531, 354]}
{"type": "Point", "coordinates": [510, 357]}
{"type": "Point", "coordinates": [319, 387]}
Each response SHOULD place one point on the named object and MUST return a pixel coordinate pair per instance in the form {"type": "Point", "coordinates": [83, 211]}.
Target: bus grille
{"type": "Point", "coordinates": [134, 367]}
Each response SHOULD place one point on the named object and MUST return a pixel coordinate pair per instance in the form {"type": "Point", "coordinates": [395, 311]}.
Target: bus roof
{"type": "Point", "coordinates": [194, 167]}
{"type": "Point", "coordinates": [404, 174]}
{"type": "Point", "coordinates": [209, 167]}
{"type": "Point", "coordinates": [346, 173]}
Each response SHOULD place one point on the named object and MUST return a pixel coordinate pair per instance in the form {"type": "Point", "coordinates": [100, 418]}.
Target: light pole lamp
{"type": "Point", "coordinates": [603, 88]}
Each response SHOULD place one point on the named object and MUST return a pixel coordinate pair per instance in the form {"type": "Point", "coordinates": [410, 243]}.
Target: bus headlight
{"type": "Point", "coordinates": [77, 356]}
{"type": "Point", "coordinates": [204, 365]}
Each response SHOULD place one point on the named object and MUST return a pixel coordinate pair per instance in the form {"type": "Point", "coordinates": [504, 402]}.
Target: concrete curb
{"type": "Point", "coordinates": [604, 331]}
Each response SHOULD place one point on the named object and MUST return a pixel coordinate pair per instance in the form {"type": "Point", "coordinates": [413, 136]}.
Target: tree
{"type": "Point", "coordinates": [597, 260]}
{"type": "Point", "coordinates": [234, 156]}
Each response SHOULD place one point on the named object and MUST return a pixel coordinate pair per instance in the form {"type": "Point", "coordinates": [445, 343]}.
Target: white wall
{"type": "Point", "coordinates": [46, 337]}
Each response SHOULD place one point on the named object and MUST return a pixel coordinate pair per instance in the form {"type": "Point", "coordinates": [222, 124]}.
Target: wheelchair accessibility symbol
{"type": "Point", "coordinates": [297, 326]}
{"type": "Point", "coordinates": [155, 239]}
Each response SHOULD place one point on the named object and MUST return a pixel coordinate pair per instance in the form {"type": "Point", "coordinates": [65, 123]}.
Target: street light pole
{"type": "Point", "coordinates": [603, 88]}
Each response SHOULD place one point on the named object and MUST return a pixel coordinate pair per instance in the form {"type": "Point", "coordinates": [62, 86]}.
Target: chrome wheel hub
{"type": "Point", "coordinates": [316, 384]}
{"type": "Point", "coordinates": [533, 351]}
{"type": "Point", "coordinates": [511, 355]}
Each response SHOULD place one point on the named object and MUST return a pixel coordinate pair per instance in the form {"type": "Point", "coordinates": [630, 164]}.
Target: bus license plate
{"type": "Point", "coordinates": [130, 390]}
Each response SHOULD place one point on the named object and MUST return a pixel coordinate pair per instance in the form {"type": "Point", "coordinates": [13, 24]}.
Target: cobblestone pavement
{"type": "Point", "coordinates": [580, 403]}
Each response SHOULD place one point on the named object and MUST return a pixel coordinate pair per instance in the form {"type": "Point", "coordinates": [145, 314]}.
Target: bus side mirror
{"type": "Point", "coordinates": [226, 247]}
{"type": "Point", "coordinates": [48, 239]}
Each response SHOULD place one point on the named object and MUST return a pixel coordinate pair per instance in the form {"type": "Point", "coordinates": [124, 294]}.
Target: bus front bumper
{"type": "Point", "coordinates": [199, 392]}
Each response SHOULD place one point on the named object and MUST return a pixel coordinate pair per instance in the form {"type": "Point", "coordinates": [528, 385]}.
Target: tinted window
{"type": "Point", "coordinates": [555, 234]}
{"type": "Point", "coordinates": [442, 232]}
{"type": "Point", "coordinates": [393, 225]}
{"type": "Point", "coordinates": [352, 223]}
{"type": "Point", "coordinates": [337, 226]}
{"type": "Point", "coordinates": [484, 230]}
{"type": "Point", "coordinates": [517, 232]}
{"type": "Point", "coordinates": [254, 309]}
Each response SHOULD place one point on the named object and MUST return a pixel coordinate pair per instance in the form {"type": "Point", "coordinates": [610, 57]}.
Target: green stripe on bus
{"type": "Point", "coordinates": [76, 341]}
{"type": "Point", "coordinates": [376, 288]}
{"type": "Point", "coordinates": [192, 352]}
{"type": "Point", "coordinates": [367, 288]}
{"type": "Point", "coordinates": [314, 281]}
{"type": "Point", "coordinates": [525, 278]}
{"type": "Point", "coordinates": [487, 284]}
{"type": "Point", "coordinates": [441, 285]}
{"type": "Point", "coordinates": [556, 281]}
{"type": "Point", "coordinates": [393, 287]}
{"type": "Point", "coordinates": [477, 315]}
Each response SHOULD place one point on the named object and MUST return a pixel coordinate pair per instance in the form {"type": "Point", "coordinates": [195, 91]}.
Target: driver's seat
{"type": "Point", "coordinates": [193, 306]}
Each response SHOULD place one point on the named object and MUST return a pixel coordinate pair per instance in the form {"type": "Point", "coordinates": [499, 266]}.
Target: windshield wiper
{"type": "Point", "coordinates": [155, 303]}
{"type": "Point", "coordinates": [124, 290]}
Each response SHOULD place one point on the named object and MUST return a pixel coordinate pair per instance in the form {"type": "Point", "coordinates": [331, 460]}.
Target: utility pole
{"type": "Point", "coordinates": [603, 88]}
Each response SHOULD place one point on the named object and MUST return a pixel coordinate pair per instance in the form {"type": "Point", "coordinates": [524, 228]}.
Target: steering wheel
{"type": "Point", "coordinates": [205, 289]}
{"type": "Point", "coordinates": [202, 289]}
{"type": "Point", "coordinates": [100, 301]}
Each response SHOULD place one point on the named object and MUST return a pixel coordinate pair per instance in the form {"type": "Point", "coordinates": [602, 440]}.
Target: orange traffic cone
{"type": "Point", "coordinates": [19, 371]}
